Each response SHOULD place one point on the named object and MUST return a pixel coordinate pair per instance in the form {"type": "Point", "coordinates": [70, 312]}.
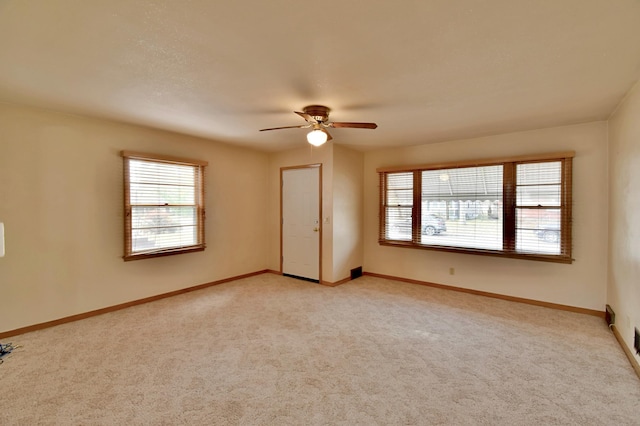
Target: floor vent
{"type": "Point", "coordinates": [356, 272]}
{"type": "Point", "coordinates": [610, 316]}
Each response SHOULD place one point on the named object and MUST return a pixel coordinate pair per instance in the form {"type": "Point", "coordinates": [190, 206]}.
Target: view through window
{"type": "Point", "coordinates": [164, 205]}
{"type": "Point", "coordinates": [519, 208]}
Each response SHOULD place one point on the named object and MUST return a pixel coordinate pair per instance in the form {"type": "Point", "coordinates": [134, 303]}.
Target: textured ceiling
{"type": "Point", "coordinates": [425, 70]}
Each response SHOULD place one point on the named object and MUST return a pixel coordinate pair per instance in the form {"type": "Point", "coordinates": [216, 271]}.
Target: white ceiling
{"type": "Point", "coordinates": [425, 70]}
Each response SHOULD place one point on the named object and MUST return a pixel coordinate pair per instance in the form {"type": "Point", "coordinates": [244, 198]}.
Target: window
{"type": "Point", "coordinates": [164, 205]}
{"type": "Point", "coordinates": [517, 207]}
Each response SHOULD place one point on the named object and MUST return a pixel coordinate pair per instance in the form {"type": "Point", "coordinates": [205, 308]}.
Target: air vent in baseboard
{"type": "Point", "coordinates": [610, 316]}
{"type": "Point", "coordinates": [356, 272]}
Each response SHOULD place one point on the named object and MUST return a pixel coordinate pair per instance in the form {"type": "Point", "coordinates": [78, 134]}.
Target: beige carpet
{"type": "Point", "coordinates": [270, 350]}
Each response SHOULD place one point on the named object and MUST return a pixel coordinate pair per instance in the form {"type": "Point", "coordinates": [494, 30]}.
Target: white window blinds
{"type": "Point", "coordinates": [518, 207]}
{"type": "Point", "coordinates": [164, 205]}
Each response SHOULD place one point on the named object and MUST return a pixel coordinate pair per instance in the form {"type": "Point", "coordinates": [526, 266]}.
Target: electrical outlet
{"type": "Point", "coordinates": [636, 341]}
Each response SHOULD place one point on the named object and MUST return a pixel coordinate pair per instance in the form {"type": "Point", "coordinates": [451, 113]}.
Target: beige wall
{"type": "Point", "coordinates": [348, 211]}
{"type": "Point", "coordinates": [580, 284]}
{"type": "Point", "coordinates": [61, 202]}
{"type": "Point", "coordinates": [623, 291]}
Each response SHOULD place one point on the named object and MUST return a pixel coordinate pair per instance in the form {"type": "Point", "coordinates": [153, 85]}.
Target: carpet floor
{"type": "Point", "coordinates": [271, 350]}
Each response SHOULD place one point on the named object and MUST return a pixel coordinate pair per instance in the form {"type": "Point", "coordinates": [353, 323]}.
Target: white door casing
{"type": "Point", "coordinates": [301, 222]}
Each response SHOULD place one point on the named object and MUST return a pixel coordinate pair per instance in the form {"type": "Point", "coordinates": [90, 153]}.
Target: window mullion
{"type": "Point", "coordinates": [127, 208]}
{"type": "Point", "coordinates": [416, 211]}
{"type": "Point", "coordinates": [566, 197]}
{"type": "Point", "coordinates": [509, 207]}
{"type": "Point", "coordinates": [382, 208]}
{"type": "Point", "coordinates": [199, 183]}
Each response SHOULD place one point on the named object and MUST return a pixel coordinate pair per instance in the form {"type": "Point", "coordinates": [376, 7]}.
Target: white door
{"type": "Point", "coordinates": [301, 222]}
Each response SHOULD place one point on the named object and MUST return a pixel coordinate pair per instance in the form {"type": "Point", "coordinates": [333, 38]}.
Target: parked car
{"type": "Point", "coordinates": [432, 224]}
{"type": "Point", "coordinates": [402, 228]}
{"type": "Point", "coordinates": [550, 233]}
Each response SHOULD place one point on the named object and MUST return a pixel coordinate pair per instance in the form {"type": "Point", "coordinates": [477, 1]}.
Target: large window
{"type": "Point", "coordinates": [164, 205]}
{"type": "Point", "coordinates": [517, 207]}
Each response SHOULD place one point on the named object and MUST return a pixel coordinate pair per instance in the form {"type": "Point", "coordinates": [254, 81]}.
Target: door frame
{"type": "Point", "coordinates": [304, 166]}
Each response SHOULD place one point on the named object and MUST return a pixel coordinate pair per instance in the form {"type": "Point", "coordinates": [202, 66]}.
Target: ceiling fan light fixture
{"type": "Point", "coordinates": [317, 118]}
{"type": "Point", "coordinates": [316, 137]}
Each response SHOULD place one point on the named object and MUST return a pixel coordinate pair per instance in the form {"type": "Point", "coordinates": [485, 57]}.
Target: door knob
{"type": "Point", "coordinates": [316, 229]}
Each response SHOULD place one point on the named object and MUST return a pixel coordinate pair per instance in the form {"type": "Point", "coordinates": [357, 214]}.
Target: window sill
{"type": "Point", "coordinates": [496, 253]}
{"type": "Point", "coordinates": [169, 252]}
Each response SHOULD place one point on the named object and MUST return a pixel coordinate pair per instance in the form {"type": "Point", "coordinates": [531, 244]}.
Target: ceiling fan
{"type": "Point", "coordinates": [317, 117]}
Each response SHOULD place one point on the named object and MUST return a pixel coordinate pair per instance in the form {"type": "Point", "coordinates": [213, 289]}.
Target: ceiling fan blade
{"type": "Point", "coordinates": [353, 125]}
{"type": "Point", "coordinates": [328, 134]}
{"type": "Point", "coordinates": [307, 117]}
{"type": "Point", "coordinates": [286, 127]}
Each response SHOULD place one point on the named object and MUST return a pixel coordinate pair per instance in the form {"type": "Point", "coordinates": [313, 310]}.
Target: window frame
{"type": "Point", "coordinates": [509, 206]}
{"type": "Point", "coordinates": [199, 200]}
